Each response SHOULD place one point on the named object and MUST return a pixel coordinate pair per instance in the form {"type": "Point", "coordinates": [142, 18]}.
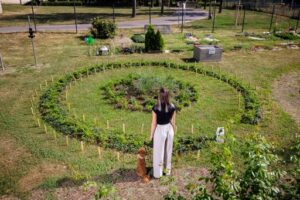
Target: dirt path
{"type": "Point", "coordinates": [286, 90]}
{"type": "Point", "coordinates": [129, 186]}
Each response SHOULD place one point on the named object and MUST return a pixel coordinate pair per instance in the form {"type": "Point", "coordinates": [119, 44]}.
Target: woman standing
{"type": "Point", "coordinates": [162, 132]}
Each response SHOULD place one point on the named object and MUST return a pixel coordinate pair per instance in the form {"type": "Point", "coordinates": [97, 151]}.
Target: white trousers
{"type": "Point", "coordinates": [162, 149]}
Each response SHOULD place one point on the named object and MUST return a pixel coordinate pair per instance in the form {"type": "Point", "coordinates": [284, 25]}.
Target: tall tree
{"type": "Point", "coordinates": [162, 7]}
{"type": "Point", "coordinates": [133, 8]}
{"type": "Point", "coordinates": [220, 6]}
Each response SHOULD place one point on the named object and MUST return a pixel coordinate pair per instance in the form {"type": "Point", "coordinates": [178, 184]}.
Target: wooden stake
{"type": "Point", "coordinates": [54, 134]}
{"type": "Point", "coordinates": [83, 117]}
{"type": "Point", "coordinates": [239, 96]}
{"type": "Point", "coordinates": [45, 128]}
{"type": "Point", "coordinates": [123, 128]}
{"type": "Point", "coordinates": [118, 156]}
{"type": "Point", "coordinates": [107, 124]}
{"type": "Point", "coordinates": [66, 95]}
{"type": "Point", "coordinates": [198, 154]}
{"type": "Point", "coordinates": [69, 107]}
{"type": "Point", "coordinates": [142, 129]}
{"type": "Point", "coordinates": [46, 83]}
{"type": "Point", "coordinates": [67, 140]}
{"type": "Point", "coordinates": [32, 112]}
{"type": "Point", "coordinates": [99, 152]}
{"type": "Point", "coordinates": [81, 146]}
{"type": "Point", "coordinates": [52, 78]}
{"type": "Point", "coordinates": [192, 129]}
{"type": "Point", "coordinates": [38, 122]}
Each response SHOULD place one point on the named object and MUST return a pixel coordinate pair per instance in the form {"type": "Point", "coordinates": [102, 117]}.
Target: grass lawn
{"type": "Point", "coordinates": [26, 145]}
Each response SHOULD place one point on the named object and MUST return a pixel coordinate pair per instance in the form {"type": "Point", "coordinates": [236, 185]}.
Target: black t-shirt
{"type": "Point", "coordinates": [164, 117]}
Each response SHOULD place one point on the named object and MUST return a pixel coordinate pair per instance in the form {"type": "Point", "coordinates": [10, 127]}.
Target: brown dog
{"type": "Point", "coordinates": [141, 170]}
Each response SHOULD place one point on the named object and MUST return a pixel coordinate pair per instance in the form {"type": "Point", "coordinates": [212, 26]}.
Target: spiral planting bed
{"type": "Point", "coordinates": [53, 109]}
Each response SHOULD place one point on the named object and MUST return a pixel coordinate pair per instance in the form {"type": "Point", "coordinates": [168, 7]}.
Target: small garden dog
{"type": "Point", "coordinates": [141, 170]}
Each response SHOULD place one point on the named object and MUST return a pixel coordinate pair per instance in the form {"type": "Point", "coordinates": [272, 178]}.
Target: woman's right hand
{"type": "Point", "coordinates": [150, 138]}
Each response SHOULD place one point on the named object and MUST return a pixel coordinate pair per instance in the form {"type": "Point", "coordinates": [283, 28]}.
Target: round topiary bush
{"type": "Point", "coordinates": [103, 29]}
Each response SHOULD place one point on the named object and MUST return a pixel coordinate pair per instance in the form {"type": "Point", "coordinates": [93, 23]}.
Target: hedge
{"type": "Point", "coordinates": [55, 114]}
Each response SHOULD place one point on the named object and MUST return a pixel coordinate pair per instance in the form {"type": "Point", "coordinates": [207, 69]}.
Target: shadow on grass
{"type": "Point", "coordinates": [122, 175]}
{"type": "Point", "coordinates": [82, 18]}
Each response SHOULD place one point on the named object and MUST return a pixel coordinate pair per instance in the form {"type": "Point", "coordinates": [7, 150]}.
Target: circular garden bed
{"type": "Point", "coordinates": [209, 102]}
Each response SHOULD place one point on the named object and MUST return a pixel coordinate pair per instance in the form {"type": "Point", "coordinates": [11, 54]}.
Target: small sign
{"type": "Point", "coordinates": [211, 51]}
{"type": "Point", "coordinates": [220, 133]}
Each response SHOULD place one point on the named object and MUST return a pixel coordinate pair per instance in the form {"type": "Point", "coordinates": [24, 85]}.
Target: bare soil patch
{"type": "Point", "coordinates": [37, 175]}
{"type": "Point", "coordinates": [129, 186]}
{"type": "Point", "coordinates": [286, 90]}
{"type": "Point", "coordinates": [11, 153]}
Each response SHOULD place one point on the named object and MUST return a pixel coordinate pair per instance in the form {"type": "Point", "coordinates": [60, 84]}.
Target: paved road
{"type": "Point", "coordinates": [190, 15]}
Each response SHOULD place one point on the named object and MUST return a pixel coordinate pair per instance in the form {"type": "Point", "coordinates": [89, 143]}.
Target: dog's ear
{"type": "Point", "coordinates": [141, 150]}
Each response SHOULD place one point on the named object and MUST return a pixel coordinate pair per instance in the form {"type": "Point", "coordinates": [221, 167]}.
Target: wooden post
{"type": "Point", "coordinates": [81, 146]}
{"type": "Point", "coordinates": [67, 140]}
{"type": "Point", "coordinates": [142, 129]}
{"type": "Point", "coordinates": [83, 117]}
{"type": "Point", "coordinates": [123, 128]}
{"type": "Point", "coordinates": [38, 122]}
{"type": "Point", "coordinates": [192, 129]}
{"type": "Point", "coordinates": [99, 152]}
{"type": "Point", "coordinates": [198, 154]}
{"type": "Point", "coordinates": [66, 95]}
{"type": "Point", "coordinates": [107, 124]}
{"type": "Point", "coordinates": [32, 112]}
{"type": "Point", "coordinates": [45, 128]}
{"type": "Point", "coordinates": [54, 135]}
{"type": "Point", "coordinates": [239, 96]}
{"type": "Point", "coordinates": [52, 79]}
{"type": "Point", "coordinates": [118, 156]}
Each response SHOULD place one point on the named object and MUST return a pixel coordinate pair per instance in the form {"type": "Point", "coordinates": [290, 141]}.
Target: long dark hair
{"type": "Point", "coordinates": [163, 98]}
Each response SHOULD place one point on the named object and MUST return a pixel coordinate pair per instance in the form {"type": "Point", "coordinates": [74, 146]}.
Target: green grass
{"type": "Point", "coordinates": [217, 102]}
{"type": "Point", "coordinates": [60, 53]}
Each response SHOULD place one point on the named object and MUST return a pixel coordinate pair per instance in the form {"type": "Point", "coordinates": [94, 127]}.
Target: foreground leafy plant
{"type": "Point", "coordinates": [258, 180]}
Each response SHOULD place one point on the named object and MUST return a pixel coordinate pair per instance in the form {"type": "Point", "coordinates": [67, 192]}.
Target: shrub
{"type": "Point", "coordinates": [103, 28]}
{"type": "Point", "coordinates": [287, 36]}
{"type": "Point", "coordinates": [138, 38]}
{"type": "Point", "coordinates": [153, 41]}
{"type": "Point", "coordinates": [159, 41]}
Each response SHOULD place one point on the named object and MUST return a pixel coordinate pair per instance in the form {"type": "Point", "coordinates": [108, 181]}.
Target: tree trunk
{"type": "Point", "coordinates": [205, 4]}
{"type": "Point", "coordinates": [162, 7]}
{"type": "Point", "coordinates": [133, 8]}
{"type": "Point", "coordinates": [220, 6]}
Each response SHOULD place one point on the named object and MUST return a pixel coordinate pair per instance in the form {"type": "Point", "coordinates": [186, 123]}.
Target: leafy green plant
{"type": "Point", "coordinates": [140, 92]}
{"type": "Point", "coordinates": [105, 191]}
{"type": "Point", "coordinates": [138, 38]}
{"type": "Point", "coordinates": [103, 28]}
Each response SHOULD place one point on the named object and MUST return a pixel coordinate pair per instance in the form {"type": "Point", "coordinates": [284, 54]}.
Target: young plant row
{"type": "Point", "coordinates": [54, 113]}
